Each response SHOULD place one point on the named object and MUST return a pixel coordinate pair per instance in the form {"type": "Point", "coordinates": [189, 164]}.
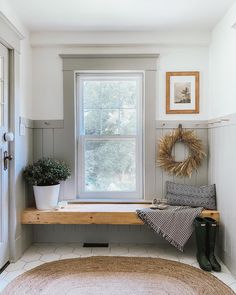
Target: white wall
{"type": "Point", "coordinates": [47, 66]}
{"type": "Point", "coordinates": [26, 109]}
{"type": "Point", "coordinates": [222, 161]}
{"type": "Point", "coordinates": [183, 58]}
{"type": "Point", "coordinates": [222, 137]}
{"type": "Point", "coordinates": [222, 98]}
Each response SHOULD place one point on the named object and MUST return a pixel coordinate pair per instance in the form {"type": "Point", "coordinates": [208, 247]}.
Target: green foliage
{"type": "Point", "coordinates": [46, 172]}
{"type": "Point", "coordinates": [110, 107]}
{"type": "Point", "coordinates": [110, 165]}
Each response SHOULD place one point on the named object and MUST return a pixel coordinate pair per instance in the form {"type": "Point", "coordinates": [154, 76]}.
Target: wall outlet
{"type": "Point", "coordinates": [22, 129]}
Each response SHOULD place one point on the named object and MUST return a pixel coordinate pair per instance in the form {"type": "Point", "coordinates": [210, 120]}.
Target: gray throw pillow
{"type": "Point", "coordinates": [189, 195]}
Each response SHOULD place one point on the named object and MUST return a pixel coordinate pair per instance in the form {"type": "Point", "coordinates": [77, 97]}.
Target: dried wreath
{"type": "Point", "coordinates": [184, 168]}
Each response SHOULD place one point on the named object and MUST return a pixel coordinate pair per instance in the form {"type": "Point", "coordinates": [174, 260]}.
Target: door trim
{"type": "Point", "coordinates": [11, 37]}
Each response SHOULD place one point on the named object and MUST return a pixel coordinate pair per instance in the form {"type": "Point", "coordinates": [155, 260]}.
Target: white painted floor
{"type": "Point", "coordinates": [40, 253]}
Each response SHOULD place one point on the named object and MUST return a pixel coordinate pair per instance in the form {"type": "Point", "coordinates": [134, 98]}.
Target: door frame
{"type": "Point", "coordinates": [10, 37]}
{"type": "Point", "coordinates": [5, 148]}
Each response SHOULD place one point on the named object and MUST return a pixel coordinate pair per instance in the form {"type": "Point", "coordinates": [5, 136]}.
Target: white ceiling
{"type": "Point", "coordinates": [120, 15]}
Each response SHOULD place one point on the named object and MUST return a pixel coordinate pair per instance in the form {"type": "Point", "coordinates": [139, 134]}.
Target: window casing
{"type": "Point", "coordinates": [110, 134]}
{"type": "Point", "coordinates": [66, 137]}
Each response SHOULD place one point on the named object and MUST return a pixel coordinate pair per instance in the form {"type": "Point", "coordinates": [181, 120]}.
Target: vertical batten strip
{"type": "Point", "coordinates": [48, 143]}
{"type": "Point", "coordinates": [38, 144]}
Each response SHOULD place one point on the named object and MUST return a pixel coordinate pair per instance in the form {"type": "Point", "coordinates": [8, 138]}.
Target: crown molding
{"type": "Point", "coordinates": [11, 26]}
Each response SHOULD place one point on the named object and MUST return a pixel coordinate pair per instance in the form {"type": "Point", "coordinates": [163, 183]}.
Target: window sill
{"type": "Point", "coordinates": [109, 201]}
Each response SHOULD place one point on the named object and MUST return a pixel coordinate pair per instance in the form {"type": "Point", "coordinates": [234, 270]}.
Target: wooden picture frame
{"type": "Point", "coordinates": [182, 92]}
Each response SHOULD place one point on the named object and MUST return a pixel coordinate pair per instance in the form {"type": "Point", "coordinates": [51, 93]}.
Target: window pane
{"type": "Point", "coordinates": [110, 122]}
{"type": "Point", "coordinates": [110, 165]}
{"type": "Point", "coordinates": [110, 134]}
{"type": "Point", "coordinates": [92, 122]}
{"type": "Point", "coordinates": [1, 102]}
{"type": "Point", "coordinates": [1, 90]}
{"type": "Point", "coordinates": [128, 122]}
{"type": "Point", "coordinates": [128, 94]}
{"type": "Point", "coordinates": [1, 68]}
{"type": "Point", "coordinates": [110, 94]}
{"type": "Point", "coordinates": [91, 94]}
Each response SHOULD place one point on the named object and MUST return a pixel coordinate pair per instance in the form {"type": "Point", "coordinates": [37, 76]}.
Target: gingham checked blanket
{"type": "Point", "coordinates": [175, 223]}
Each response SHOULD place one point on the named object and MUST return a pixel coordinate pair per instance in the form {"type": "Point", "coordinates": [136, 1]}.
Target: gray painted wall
{"type": "Point", "coordinates": [222, 163]}
{"type": "Point", "coordinates": [45, 145]}
{"type": "Point", "coordinates": [22, 234]}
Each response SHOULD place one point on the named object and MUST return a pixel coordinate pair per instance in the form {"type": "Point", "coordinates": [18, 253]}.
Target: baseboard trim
{"type": "Point", "coordinates": [21, 243]}
{"type": "Point", "coordinates": [228, 261]}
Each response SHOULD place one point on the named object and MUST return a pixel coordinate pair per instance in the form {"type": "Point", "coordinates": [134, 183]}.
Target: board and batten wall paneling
{"type": "Point", "coordinates": [95, 233]}
{"type": "Point", "coordinates": [181, 152]}
{"type": "Point", "coordinates": [222, 163]}
{"type": "Point", "coordinates": [22, 235]}
{"type": "Point", "coordinates": [46, 141]}
{"type": "Point", "coordinates": [117, 234]}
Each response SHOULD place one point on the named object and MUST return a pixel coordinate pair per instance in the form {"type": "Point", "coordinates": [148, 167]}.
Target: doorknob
{"type": "Point", "coordinates": [6, 159]}
{"type": "Point", "coordinates": [8, 136]}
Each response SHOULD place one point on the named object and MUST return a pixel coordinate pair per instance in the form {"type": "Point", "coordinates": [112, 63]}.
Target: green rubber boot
{"type": "Point", "coordinates": [211, 241]}
{"type": "Point", "coordinates": [201, 239]}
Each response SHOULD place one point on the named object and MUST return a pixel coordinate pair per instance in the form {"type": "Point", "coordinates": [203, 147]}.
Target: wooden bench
{"type": "Point", "coordinates": [91, 213]}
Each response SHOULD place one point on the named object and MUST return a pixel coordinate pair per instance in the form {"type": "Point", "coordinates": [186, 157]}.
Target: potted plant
{"type": "Point", "coordinates": [45, 176]}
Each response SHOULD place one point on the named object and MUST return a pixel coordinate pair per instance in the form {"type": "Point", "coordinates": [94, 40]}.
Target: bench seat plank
{"type": "Point", "coordinates": [123, 214]}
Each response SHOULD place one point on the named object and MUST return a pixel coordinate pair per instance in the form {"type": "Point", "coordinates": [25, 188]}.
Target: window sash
{"type": "Point", "coordinates": [82, 138]}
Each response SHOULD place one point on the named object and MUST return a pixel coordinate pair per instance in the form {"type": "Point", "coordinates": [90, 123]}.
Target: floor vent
{"type": "Point", "coordinates": [96, 245]}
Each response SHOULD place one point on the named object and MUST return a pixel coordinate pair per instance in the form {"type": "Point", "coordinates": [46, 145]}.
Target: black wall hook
{"type": "Point", "coordinates": [181, 132]}
{"type": "Point", "coordinates": [180, 127]}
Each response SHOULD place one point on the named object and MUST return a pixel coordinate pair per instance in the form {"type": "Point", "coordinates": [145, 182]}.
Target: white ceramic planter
{"type": "Point", "coordinates": [46, 197]}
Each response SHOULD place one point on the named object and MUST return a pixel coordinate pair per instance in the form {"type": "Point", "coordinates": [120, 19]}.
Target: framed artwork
{"type": "Point", "coordinates": [182, 92]}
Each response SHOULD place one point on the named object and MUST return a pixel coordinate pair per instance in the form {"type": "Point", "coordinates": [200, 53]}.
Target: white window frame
{"type": "Point", "coordinates": [81, 138]}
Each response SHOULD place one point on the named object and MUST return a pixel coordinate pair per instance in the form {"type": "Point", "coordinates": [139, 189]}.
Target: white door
{"type": "Point", "coordinates": [4, 171]}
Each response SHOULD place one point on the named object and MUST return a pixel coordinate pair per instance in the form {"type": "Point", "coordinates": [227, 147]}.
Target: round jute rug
{"type": "Point", "coordinates": [116, 276]}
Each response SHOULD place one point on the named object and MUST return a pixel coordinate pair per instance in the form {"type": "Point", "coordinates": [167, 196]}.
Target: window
{"type": "Point", "coordinates": [73, 141]}
{"type": "Point", "coordinates": [110, 134]}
